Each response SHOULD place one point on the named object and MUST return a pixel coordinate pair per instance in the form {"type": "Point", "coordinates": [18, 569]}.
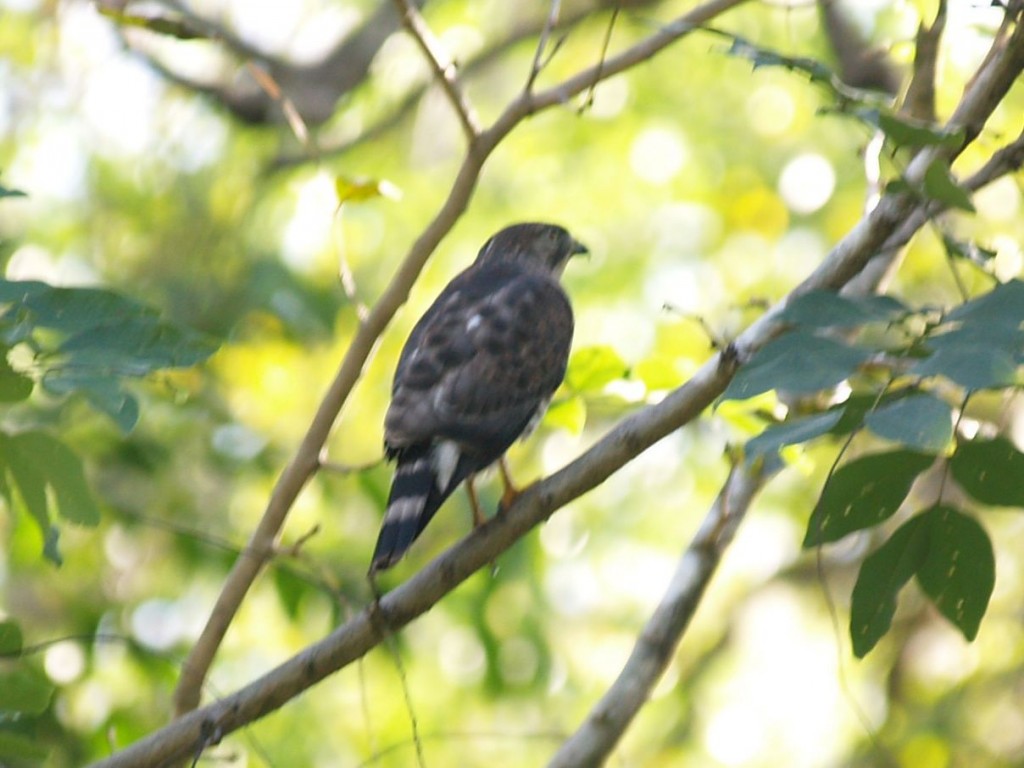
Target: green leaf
{"type": "Point", "coordinates": [24, 690]}
{"type": "Point", "coordinates": [10, 638]}
{"type": "Point", "coordinates": [61, 470]}
{"type": "Point", "coordinates": [907, 132]}
{"type": "Point", "coordinates": [569, 413]}
{"type": "Point", "coordinates": [959, 571]}
{"type": "Point", "coordinates": [882, 575]}
{"type": "Point", "coordinates": [762, 57]}
{"type": "Point", "coordinates": [856, 408]}
{"type": "Point", "coordinates": [797, 362]}
{"type": "Point", "coordinates": [862, 493]}
{"type": "Point", "coordinates": [103, 330]}
{"type": "Point", "coordinates": [1006, 337]}
{"type": "Point", "coordinates": [990, 471]}
{"type": "Point", "coordinates": [69, 309]}
{"type": "Point", "coordinates": [899, 186]}
{"type": "Point", "coordinates": [92, 339]}
{"type": "Point", "coordinates": [35, 462]}
{"type": "Point", "coordinates": [14, 386]}
{"type": "Point", "coordinates": [967, 250]}
{"type": "Point", "coordinates": [920, 421]}
{"type": "Point", "coordinates": [290, 590]}
{"type": "Point", "coordinates": [104, 393]}
{"type": "Point", "coordinates": [972, 366]}
{"type": "Point", "coordinates": [25, 476]}
{"type": "Point", "coordinates": [940, 185]}
{"type": "Point", "coordinates": [17, 749]}
{"type": "Point", "coordinates": [592, 368]}
{"type": "Point", "coordinates": [19, 290]}
{"type": "Point", "coordinates": [792, 431]}
{"type": "Point", "coordinates": [8, 192]}
{"type": "Point", "coordinates": [1003, 305]}
{"type": "Point", "coordinates": [827, 309]}
{"type": "Point", "coordinates": [137, 346]}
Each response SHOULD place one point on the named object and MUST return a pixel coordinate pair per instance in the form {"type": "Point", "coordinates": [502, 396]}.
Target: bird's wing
{"type": "Point", "coordinates": [489, 352]}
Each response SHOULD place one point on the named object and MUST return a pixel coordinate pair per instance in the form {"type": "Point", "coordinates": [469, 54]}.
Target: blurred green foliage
{"type": "Point", "coordinates": [704, 188]}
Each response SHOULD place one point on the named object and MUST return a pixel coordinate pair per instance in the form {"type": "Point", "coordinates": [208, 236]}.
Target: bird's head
{"type": "Point", "coordinates": [545, 247]}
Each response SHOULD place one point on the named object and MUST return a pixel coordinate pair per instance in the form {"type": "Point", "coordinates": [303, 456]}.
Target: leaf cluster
{"type": "Point", "coordinates": [909, 370]}
{"type": "Point", "coordinates": [65, 343]}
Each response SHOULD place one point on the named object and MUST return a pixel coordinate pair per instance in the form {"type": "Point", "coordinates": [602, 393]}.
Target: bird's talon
{"type": "Point", "coordinates": [508, 499]}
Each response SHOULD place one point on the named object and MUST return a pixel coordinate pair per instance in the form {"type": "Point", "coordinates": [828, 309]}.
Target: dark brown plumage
{"type": "Point", "coordinates": [478, 370]}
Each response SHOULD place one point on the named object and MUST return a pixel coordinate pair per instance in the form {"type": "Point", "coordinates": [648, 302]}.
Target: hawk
{"type": "Point", "coordinates": [476, 373]}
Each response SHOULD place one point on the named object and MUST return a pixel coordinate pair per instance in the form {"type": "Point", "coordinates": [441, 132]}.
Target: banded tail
{"type": "Point", "coordinates": [424, 477]}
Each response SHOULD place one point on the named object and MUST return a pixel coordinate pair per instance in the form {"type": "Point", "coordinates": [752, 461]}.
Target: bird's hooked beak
{"type": "Point", "coordinates": [577, 248]}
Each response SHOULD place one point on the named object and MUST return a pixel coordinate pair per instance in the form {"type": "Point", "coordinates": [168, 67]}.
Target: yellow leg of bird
{"type": "Point", "coordinates": [510, 493]}
{"type": "Point", "coordinates": [478, 516]}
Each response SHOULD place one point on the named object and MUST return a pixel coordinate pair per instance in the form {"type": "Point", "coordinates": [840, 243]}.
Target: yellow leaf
{"type": "Point", "coordinates": [357, 189]}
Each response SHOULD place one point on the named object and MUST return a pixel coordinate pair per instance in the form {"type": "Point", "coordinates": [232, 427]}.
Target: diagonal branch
{"type": "Point", "coordinates": [597, 736]}
{"type": "Point", "coordinates": [442, 65]}
{"type": "Point", "coordinates": [306, 459]}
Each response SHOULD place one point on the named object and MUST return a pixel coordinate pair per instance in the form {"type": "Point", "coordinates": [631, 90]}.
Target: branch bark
{"type": "Point", "coordinates": [441, 64]}
{"type": "Point", "coordinates": [313, 88]}
{"type": "Point", "coordinates": [305, 461]}
{"type": "Point", "coordinates": [600, 732]}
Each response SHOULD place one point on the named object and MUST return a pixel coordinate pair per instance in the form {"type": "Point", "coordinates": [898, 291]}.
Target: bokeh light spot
{"type": "Point", "coordinates": [657, 155]}
{"type": "Point", "coordinates": [64, 662]}
{"type": "Point", "coordinates": [770, 109]}
{"type": "Point", "coordinates": [807, 182]}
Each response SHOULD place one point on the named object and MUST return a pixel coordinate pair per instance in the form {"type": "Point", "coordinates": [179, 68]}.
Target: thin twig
{"type": "Point", "coordinates": [542, 43]}
{"type": "Point", "coordinates": [295, 548]}
{"type": "Point", "coordinates": [444, 68]}
{"type": "Point", "coordinates": [589, 101]}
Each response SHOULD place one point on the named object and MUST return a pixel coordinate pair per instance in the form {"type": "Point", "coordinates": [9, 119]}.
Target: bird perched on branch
{"type": "Point", "coordinates": [477, 372]}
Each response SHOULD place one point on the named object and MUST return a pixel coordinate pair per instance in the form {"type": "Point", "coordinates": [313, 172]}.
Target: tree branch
{"type": "Point", "coordinates": [314, 88]}
{"type": "Point", "coordinates": [305, 461]}
{"type": "Point", "coordinates": [919, 101]}
{"type": "Point", "coordinates": [441, 64]}
{"type": "Point", "coordinates": [600, 732]}
{"type": "Point", "coordinates": [542, 43]}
